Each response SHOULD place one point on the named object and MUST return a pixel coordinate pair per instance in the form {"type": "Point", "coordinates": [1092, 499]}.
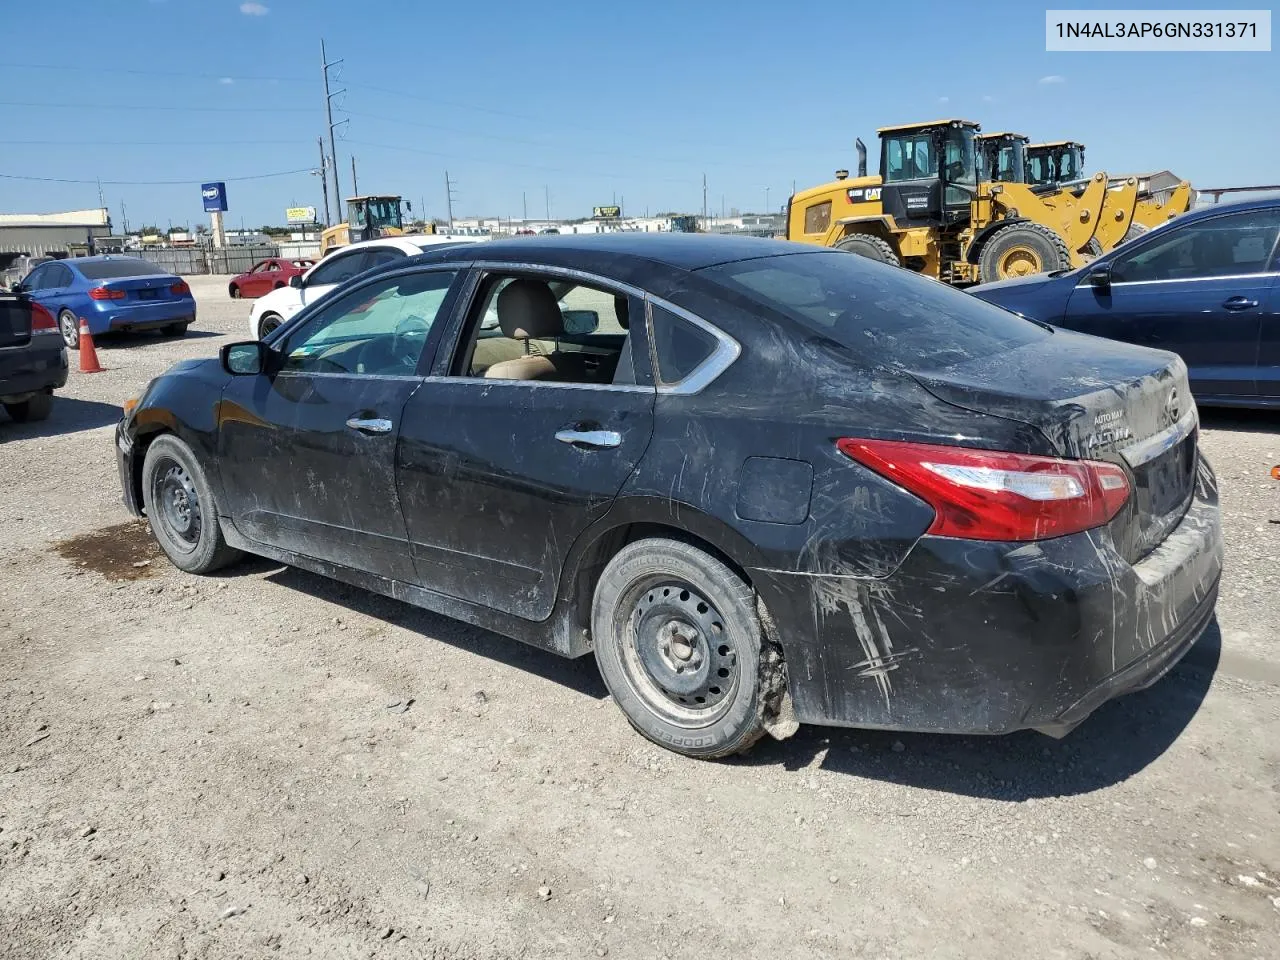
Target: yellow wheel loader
{"type": "Point", "coordinates": [1161, 196]}
{"type": "Point", "coordinates": [368, 217]}
{"type": "Point", "coordinates": [928, 211]}
{"type": "Point", "coordinates": [1098, 219]}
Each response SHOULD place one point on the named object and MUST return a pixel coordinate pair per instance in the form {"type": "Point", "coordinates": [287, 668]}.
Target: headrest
{"type": "Point", "coordinates": [622, 311]}
{"type": "Point", "coordinates": [527, 308]}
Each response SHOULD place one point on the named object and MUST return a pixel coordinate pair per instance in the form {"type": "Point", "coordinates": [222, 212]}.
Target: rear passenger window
{"type": "Point", "coordinates": [679, 346]}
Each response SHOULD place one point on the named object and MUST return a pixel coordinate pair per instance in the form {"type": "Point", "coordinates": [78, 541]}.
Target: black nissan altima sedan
{"type": "Point", "coordinates": [762, 483]}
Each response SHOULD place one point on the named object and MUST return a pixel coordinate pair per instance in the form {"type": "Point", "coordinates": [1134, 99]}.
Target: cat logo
{"type": "Point", "coordinates": [864, 194]}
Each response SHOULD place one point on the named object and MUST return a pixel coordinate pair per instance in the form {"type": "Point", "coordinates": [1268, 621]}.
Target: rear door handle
{"type": "Point", "coordinates": [373, 426]}
{"type": "Point", "coordinates": [1239, 303]}
{"type": "Point", "coordinates": [590, 438]}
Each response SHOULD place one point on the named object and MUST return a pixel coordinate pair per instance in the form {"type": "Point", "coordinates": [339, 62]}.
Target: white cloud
{"type": "Point", "coordinates": [254, 9]}
{"type": "Point", "coordinates": [226, 81]}
{"type": "Point", "coordinates": [987, 98]}
{"type": "Point", "coordinates": [1052, 78]}
{"type": "Point", "coordinates": [944, 99]}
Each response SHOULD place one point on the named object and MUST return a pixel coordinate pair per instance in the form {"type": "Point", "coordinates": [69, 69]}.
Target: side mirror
{"type": "Point", "coordinates": [296, 281]}
{"type": "Point", "coordinates": [1099, 277]}
{"type": "Point", "coordinates": [578, 323]}
{"type": "Point", "coordinates": [245, 359]}
{"type": "Point", "coordinates": [18, 287]}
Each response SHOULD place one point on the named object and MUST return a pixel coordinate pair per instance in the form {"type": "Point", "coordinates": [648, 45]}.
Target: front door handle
{"type": "Point", "coordinates": [373, 426]}
{"type": "Point", "coordinates": [1239, 303]}
{"type": "Point", "coordinates": [590, 438]}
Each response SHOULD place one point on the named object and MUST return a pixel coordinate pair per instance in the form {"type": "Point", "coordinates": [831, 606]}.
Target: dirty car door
{"type": "Point", "coordinates": [307, 452]}
{"type": "Point", "coordinates": [499, 477]}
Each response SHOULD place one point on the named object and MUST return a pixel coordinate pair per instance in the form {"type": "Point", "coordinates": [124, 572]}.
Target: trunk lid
{"type": "Point", "coordinates": [143, 289]}
{"type": "Point", "coordinates": [15, 321]}
{"type": "Point", "coordinates": [1097, 400]}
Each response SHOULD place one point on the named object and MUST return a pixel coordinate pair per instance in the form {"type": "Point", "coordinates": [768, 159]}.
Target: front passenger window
{"type": "Point", "coordinates": [338, 270]}
{"type": "Point", "coordinates": [377, 330]}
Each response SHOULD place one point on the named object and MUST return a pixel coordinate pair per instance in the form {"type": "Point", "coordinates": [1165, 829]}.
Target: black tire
{"type": "Point", "coordinates": [873, 248]}
{"type": "Point", "coordinates": [1022, 250]}
{"type": "Point", "coordinates": [33, 408]}
{"type": "Point", "coordinates": [69, 327]}
{"type": "Point", "coordinates": [176, 330]}
{"type": "Point", "coordinates": [234, 291]}
{"type": "Point", "coordinates": [278, 286]}
{"type": "Point", "coordinates": [174, 487]}
{"type": "Point", "coordinates": [1136, 229]}
{"type": "Point", "coordinates": [269, 322]}
{"type": "Point", "coordinates": [662, 607]}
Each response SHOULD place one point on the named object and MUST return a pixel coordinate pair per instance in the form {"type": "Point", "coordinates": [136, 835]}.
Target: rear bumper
{"type": "Point", "coordinates": [979, 637]}
{"type": "Point", "coordinates": [107, 315]}
{"type": "Point", "coordinates": [32, 368]}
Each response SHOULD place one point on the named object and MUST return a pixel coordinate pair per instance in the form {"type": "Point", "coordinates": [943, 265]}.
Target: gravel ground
{"type": "Point", "coordinates": [268, 763]}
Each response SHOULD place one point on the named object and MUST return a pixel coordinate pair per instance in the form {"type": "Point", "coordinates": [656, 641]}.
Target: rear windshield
{"type": "Point", "coordinates": [123, 267]}
{"type": "Point", "coordinates": [886, 314]}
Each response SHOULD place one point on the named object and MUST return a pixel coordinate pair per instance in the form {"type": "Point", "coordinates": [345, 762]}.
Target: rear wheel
{"type": "Point", "coordinates": [181, 508]}
{"type": "Point", "coordinates": [33, 408]}
{"type": "Point", "coordinates": [269, 322]}
{"type": "Point", "coordinates": [69, 327]}
{"type": "Point", "coordinates": [278, 285]}
{"type": "Point", "coordinates": [176, 330]}
{"type": "Point", "coordinates": [1022, 250]}
{"type": "Point", "coordinates": [234, 291]}
{"type": "Point", "coordinates": [873, 248]}
{"type": "Point", "coordinates": [678, 643]}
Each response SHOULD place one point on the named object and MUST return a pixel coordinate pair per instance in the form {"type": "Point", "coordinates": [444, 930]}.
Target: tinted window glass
{"type": "Point", "coordinates": [376, 258]}
{"type": "Point", "coordinates": [119, 267]}
{"type": "Point", "coordinates": [679, 346]}
{"type": "Point", "coordinates": [59, 276]}
{"type": "Point", "coordinates": [884, 314]}
{"type": "Point", "coordinates": [1218, 247]}
{"type": "Point", "coordinates": [910, 158]}
{"type": "Point", "coordinates": [817, 218]}
{"type": "Point", "coordinates": [35, 280]}
{"type": "Point", "coordinates": [380, 329]}
{"type": "Point", "coordinates": [338, 270]}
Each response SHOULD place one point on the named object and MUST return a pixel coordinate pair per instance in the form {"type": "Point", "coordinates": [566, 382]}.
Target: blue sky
{"type": "Point", "coordinates": [584, 100]}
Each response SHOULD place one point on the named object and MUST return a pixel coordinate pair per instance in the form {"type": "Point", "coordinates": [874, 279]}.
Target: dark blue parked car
{"type": "Point", "coordinates": [111, 293]}
{"type": "Point", "coordinates": [1205, 286]}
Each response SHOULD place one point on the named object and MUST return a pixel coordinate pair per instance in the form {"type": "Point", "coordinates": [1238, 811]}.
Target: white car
{"type": "Point", "coordinates": [278, 306]}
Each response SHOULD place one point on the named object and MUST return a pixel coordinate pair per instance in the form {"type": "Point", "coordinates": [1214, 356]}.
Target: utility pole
{"type": "Point", "coordinates": [448, 197]}
{"type": "Point", "coordinates": [704, 201]}
{"type": "Point", "coordinates": [355, 191]}
{"type": "Point", "coordinates": [328, 111]}
{"type": "Point", "coordinates": [324, 179]}
{"type": "Point", "coordinates": [124, 221]}
{"type": "Point", "coordinates": [766, 199]}
{"type": "Point", "coordinates": [546, 190]}
{"type": "Point", "coordinates": [524, 202]}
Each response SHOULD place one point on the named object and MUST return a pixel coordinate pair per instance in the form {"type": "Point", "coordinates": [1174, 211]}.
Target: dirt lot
{"type": "Point", "coordinates": [266, 763]}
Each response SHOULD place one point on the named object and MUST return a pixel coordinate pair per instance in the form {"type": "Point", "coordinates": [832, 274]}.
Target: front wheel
{"type": "Point", "coordinates": [268, 323]}
{"type": "Point", "coordinates": [234, 291]}
{"type": "Point", "coordinates": [873, 248]}
{"type": "Point", "coordinates": [678, 643]}
{"type": "Point", "coordinates": [176, 330]}
{"type": "Point", "coordinates": [1022, 250]}
{"type": "Point", "coordinates": [181, 508]}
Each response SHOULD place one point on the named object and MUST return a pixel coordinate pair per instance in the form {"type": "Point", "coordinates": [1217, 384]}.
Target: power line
{"type": "Point", "coordinates": [140, 106]}
{"type": "Point", "coordinates": [154, 183]}
{"type": "Point", "coordinates": [195, 75]}
{"type": "Point", "coordinates": [143, 143]}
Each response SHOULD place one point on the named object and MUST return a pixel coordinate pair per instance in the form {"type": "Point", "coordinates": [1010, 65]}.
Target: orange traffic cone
{"type": "Point", "coordinates": [88, 355]}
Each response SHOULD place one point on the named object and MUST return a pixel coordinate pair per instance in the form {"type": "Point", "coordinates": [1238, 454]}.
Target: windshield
{"type": "Point", "coordinates": [121, 267]}
{"type": "Point", "coordinates": [1011, 166]}
{"type": "Point", "coordinates": [1071, 163]}
{"type": "Point", "coordinates": [886, 315]}
{"type": "Point", "coordinates": [385, 213]}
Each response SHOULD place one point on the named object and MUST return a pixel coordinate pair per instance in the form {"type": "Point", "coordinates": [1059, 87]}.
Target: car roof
{"type": "Point", "coordinates": [682, 251]}
{"type": "Point", "coordinates": [1271, 202]}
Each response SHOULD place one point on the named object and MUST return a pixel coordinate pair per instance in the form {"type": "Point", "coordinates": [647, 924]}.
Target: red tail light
{"type": "Point", "coordinates": [42, 320]}
{"type": "Point", "coordinates": [180, 288]}
{"type": "Point", "coordinates": [991, 495]}
{"type": "Point", "coordinates": [106, 293]}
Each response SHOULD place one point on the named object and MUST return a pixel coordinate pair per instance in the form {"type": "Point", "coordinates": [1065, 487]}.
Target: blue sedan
{"type": "Point", "coordinates": [111, 293]}
{"type": "Point", "coordinates": [1205, 286]}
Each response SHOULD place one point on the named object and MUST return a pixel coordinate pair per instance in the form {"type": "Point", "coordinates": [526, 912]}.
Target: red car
{"type": "Point", "coordinates": [267, 276]}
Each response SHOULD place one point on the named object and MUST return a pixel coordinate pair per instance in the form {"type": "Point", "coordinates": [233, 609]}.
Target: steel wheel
{"type": "Point", "coordinates": [677, 655]}
{"type": "Point", "coordinates": [174, 492]}
{"type": "Point", "coordinates": [1019, 261]}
